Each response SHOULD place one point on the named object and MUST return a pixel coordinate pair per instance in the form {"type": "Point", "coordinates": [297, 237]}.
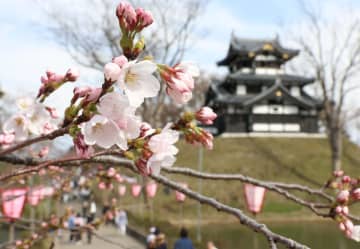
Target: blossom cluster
{"type": "Point", "coordinates": [348, 192]}
{"type": "Point", "coordinates": [106, 116]}
{"type": "Point", "coordinates": [33, 118]}
{"type": "Point", "coordinates": [106, 176]}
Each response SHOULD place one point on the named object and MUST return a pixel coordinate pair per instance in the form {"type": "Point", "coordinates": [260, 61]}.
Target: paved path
{"type": "Point", "coordinates": [110, 239]}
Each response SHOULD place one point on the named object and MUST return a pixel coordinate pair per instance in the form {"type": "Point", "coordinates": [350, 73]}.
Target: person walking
{"type": "Point", "coordinates": [121, 221]}
{"type": "Point", "coordinates": [92, 210]}
{"type": "Point", "coordinates": [161, 241]}
{"type": "Point", "coordinates": [183, 242]}
{"type": "Point", "coordinates": [71, 226]}
{"type": "Point", "coordinates": [151, 239]}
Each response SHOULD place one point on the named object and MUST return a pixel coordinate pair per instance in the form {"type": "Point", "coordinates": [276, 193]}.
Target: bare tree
{"type": "Point", "coordinates": [93, 40]}
{"type": "Point", "coordinates": [331, 49]}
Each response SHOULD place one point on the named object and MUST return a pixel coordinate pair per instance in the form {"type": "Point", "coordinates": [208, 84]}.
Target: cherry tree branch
{"type": "Point", "coordinates": [246, 179]}
{"type": "Point", "coordinates": [50, 136]}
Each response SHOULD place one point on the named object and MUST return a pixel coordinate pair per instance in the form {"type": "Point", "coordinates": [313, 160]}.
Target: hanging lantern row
{"type": "Point", "coordinates": [151, 190]}
{"type": "Point", "coordinates": [13, 200]}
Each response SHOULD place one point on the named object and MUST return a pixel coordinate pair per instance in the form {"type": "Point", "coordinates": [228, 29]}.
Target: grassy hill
{"type": "Point", "coordinates": [292, 160]}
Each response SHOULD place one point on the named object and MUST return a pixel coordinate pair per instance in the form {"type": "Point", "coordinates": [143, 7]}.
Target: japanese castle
{"type": "Point", "coordinates": [257, 95]}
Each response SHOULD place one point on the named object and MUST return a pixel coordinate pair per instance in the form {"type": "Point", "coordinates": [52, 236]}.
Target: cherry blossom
{"type": "Point", "coordinates": [116, 106]}
{"type": "Point", "coordinates": [205, 115]}
{"type": "Point", "coordinates": [163, 149]}
{"type": "Point", "coordinates": [24, 103]}
{"type": "Point", "coordinates": [103, 132]}
{"type": "Point", "coordinates": [82, 149]}
{"type": "Point", "coordinates": [17, 125]}
{"type": "Point", "coordinates": [179, 80]}
{"type": "Point", "coordinates": [138, 81]}
{"type": "Point", "coordinates": [112, 71]}
{"type": "Point", "coordinates": [38, 118]}
{"type": "Point", "coordinates": [126, 15]}
{"type": "Point", "coordinates": [120, 60]}
{"type": "Point", "coordinates": [144, 18]}
{"type": "Point", "coordinates": [72, 74]}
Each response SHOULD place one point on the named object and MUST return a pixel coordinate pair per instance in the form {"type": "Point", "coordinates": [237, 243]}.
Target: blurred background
{"type": "Point", "coordinates": [37, 35]}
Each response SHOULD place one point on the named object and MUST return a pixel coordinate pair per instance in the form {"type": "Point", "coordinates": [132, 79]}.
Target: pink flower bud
{"type": "Point", "coordinates": [126, 15]}
{"type": "Point", "coordinates": [44, 152]}
{"type": "Point", "coordinates": [349, 225]}
{"type": "Point", "coordinates": [346, 179]}
{"type": "Point", "coordinates": [72, 74]}
{"type": "Point", "coordinates": [338, 173]}
{"type": "Point", "coordinates": [112, 71]}
{"type": "Point", "coordinates": [205, 115]}
{"type": "Point", "coordinates": [81, 91]}
{"type": "Point", "coordinates": [44, 225]}
{"type": "Point", "coordinates": [34, 236]}
{"type": "Point", "coordinates": [343, 196]}
{"type": "Point", "coordinates": [111, 172]}
{"type": "Point", "coordinates": [102, 185]}
{"type": "Point", "coordinates": [120, 60]}
{"type": "Point", "coordinates": [145, 128]}
{"type": "Point", "coordinates": [93, 95]}
{"type": "Point", "coordinates": [119, 178]}
{"type": "Point", "coordinates": [42, 172]}
{"type": "Point", "coordinates": [179, 97]}
{"type": "Point", "coordinates": [338, 209]}
{"type": "Point", "coordinates": [144, 18]}
{"type": "Point", "coordinates": [345, 210]}
{"type": "Point", "coordinates": [356, 194]}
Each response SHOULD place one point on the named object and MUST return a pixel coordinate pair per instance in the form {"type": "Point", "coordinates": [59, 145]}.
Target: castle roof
{"type": "Point", "coordinates": [245, 47]}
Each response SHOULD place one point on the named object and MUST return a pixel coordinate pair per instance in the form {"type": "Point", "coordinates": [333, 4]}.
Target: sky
{"type": "Point", "coordinates": [27, 51]}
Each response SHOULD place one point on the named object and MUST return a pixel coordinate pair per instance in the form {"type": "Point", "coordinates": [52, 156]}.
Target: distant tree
{"type": "Point", "coordinates": [92, 41]}
{"type": "Point", "coordinates": [331, 51]}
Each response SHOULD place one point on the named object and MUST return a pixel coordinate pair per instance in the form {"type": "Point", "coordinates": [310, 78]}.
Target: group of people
{"type": "Point", "coordinates": [157, 240]}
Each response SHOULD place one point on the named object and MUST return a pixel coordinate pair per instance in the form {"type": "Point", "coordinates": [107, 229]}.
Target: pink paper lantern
{"type": "Point", "coordinates": [151, 189]}
{"type": "Point", "coordinates": [136, 190]}
{"type": "Point", "coordinates": [13, 201]}
{"type": "Point", "coordinates": [180, 197]}
{"type": "Point", "coordinates": [122, 190]}
{"type": "Point", "coordinates": [254, 196]}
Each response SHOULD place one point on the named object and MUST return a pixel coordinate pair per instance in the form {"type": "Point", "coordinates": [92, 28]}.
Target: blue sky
{"type": "Point", "coordinates": [26, 52]}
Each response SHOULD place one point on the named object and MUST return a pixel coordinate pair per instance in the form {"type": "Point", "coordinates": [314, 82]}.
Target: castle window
{"type": "Point", "coordinates": [241, 90]}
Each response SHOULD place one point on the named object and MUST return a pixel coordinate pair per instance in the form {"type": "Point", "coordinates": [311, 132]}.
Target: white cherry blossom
{"type": "Point", "coordinates": [163, 149]}
{"type": "Point", "coordinates": [138, 81]}
{"type": "Point", "coordinates": [39, 118]}
{"type": "Point", "coordinates": [116, 106]}
{"type": "Point", "coordinates": [103, 132]}
{"type": "Point", "coordinates": [17, 125]}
